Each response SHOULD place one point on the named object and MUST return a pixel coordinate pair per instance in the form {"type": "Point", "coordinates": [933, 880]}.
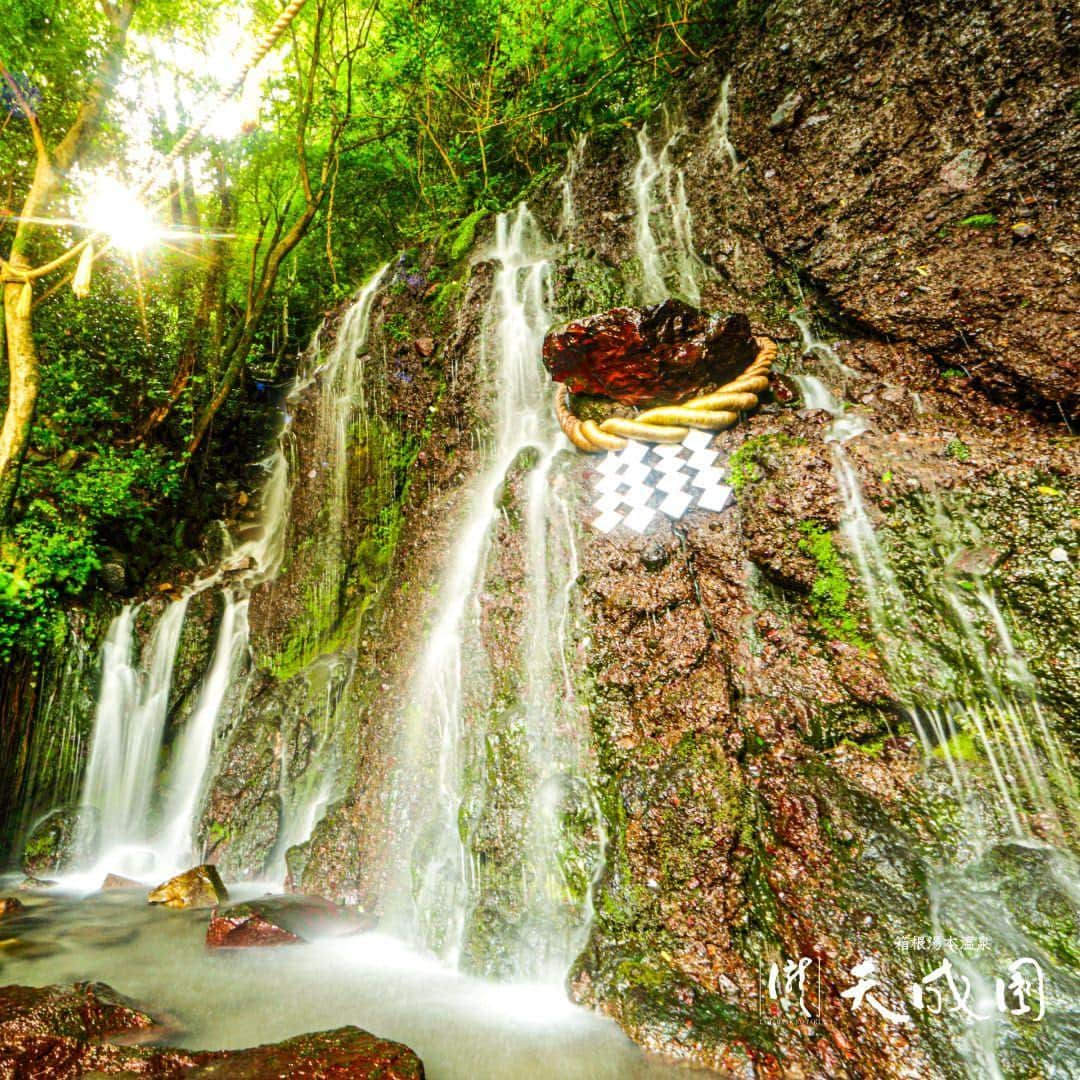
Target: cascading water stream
{"type": "Point", "coordinates": [663, 225]}
{"type": "Point", "coordinates": [129, 726]}
{"type": "Point", "coordinates": [568, 212]}
{"type": "Point", "coordinates": [721, 123]}
{"type": "Point", "coordinates": [984, 690]}
{"type": "Point", "coordinates": [506, 765]}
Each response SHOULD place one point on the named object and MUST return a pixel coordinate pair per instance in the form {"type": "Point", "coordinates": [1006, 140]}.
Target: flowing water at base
{"type": "Point", "coordinates": [462, 1028]}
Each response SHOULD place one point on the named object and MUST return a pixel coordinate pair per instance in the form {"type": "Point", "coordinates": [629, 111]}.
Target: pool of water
{"type": "Point", "coordinates": [462, 1028]}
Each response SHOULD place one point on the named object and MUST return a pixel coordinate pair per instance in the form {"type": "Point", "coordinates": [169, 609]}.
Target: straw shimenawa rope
{"type": "Point", "coordinates": [714, 411]}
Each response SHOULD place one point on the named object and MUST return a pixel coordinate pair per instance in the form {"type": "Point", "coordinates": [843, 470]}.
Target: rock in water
{"type": "Point", "coordinates": [10, 905]}
{"type": "Point", "coordinates": [118, 881]}
{"type": "Point", "coordinates": [75, 1010]}
{"type": "Point", "coordinates": [281, 920]}
{"type": "Point", "coordinates": [55, 1031]}
{"type": "Point", "coordinates": [57, 838]}
{"type": "Point", "coordinates": [665, 353]}
{"type": "Point", "coordinates": [200, 887]}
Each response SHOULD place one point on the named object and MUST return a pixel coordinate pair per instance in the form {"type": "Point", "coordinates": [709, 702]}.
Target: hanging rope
{"type": "Point", "coordinates": [714, 411]}
{"type": "Point", "coordinates": [264, 46]}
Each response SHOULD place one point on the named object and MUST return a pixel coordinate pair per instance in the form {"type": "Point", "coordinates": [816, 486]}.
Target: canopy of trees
{"type": "Point", "coordinates": [372, 126]}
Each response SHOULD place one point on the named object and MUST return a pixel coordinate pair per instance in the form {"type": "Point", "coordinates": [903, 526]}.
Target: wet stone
{"type": "Point", "coordinates": [664, 353]}
{"type": "Point", "coordinates": [281, 920]}
{"type": "Point", "coordinates": [10, 905]}
{"type": "Point", "coordinates": [200, 887]}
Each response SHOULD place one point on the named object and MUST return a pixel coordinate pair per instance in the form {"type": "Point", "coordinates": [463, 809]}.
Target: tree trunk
{"type": "Point", "coordinates": [23, 381]}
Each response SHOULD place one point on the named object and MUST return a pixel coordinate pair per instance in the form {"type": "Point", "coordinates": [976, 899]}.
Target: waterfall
{"type": "Point", "coordinates": [122, 774]}
{"type": "Point", "coordinates": [980, 689]}
{"type": "Point", "coordinates": [128, 727]}
{"type": "Point", "coordinates": [188, 771]}
{"type": "Point", "coordinates": [663, 225]}
{"type": "Point", "coordinates": [504, 850]}
{"type": "Point", "coordinates": [721, 122]}
{"type": "Point", "coordinates": [567, 211]}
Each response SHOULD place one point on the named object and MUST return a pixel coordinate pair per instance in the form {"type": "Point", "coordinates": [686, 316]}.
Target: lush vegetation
{"type": "Point", "coordinates": [371, 128]}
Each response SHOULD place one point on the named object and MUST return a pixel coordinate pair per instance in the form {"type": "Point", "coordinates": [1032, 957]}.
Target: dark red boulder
{"type": "Point", "coordinates": [78, 1010]}
{"type": "Point", "coordinates": [661, 354]}
{"type": "Point", "coordinates": [53, 1032]}
{"type": "Point", "coordinates": [281, 920]}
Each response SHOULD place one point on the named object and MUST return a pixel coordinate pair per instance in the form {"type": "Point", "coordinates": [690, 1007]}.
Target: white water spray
{"type": "Point", "coordinates": [663, 225]}
{"type": "Point", "coordinates": [454, 703]}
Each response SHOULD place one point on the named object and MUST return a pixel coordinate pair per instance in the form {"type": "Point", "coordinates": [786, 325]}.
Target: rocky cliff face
{"type": "Point", "coordinates": [902, 180]}
{"type": "Point", "coordinates": [901, 177]}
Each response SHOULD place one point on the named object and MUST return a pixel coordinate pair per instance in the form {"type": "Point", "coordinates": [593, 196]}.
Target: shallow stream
{"type": "Point", "coordinates": [461, 1027]}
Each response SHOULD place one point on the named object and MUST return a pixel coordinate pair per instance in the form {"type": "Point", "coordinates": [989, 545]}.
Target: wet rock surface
{"type": "Point", "coordinates": [765, 798]}
{"type": "Point", "coordinates": [199, 887]}
{"type": "Point", "coordinates": [665, 353]}
{"type": "Point", "coordinates": [9, 906]}
{"type": "Point", "coordinates": [55, 1032]}
{"type": "Point", "coordinates": [281, 920]}
{"type": "Point", "coordinates": [58, 839]}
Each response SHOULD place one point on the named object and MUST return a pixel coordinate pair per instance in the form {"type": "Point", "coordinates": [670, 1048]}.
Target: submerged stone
{"type": "Point", "coordinates": [200, 887]}
{"type": "Point", "coordinates": [664, 353]}
{"type": "Point", "coordinates": [281, 920]}
{"type": "Point", "coordinates": [118, 881]}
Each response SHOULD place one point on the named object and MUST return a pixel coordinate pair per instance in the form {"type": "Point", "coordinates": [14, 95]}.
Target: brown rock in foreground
{"type": "Point", "coordinates": [665, 353]}
{"type": "Point", "coordinates": [10, 905]}
{"type": "Point", "coordinates": [47, 1032]}
{"type": "Point", "coordinates": [281, 920]}
{"type": "Point", "coordinates": [76, 1010]}
{"type": "Point", "coordinates": [199, 887]}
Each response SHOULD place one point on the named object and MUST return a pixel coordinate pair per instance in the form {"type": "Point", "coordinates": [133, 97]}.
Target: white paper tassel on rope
{"type": "Point", "coordinates": [80, 283]}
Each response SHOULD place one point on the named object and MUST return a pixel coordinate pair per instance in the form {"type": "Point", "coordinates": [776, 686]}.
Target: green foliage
{"type": "Point", "coordinates": [466, 233]}
{"type": "Point", "coordinates": [980, 221]}
{"type": "Point", "coordinates": [830, 594]}
{"type": "Point", "coordinates": [954, 373]}
{"type": "Point", "coordinates": [958, 450]}
{"type": "Point", "coordinates": [61, 537]}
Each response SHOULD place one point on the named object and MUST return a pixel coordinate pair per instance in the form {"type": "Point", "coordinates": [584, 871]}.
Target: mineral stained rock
{"type": "Point", "coordinates": [281, 920]}
{"type": "Point", "coordinates": [199, 887]}
{"type": "Point", "coordinates": [665, 353]}
{"type": "Point", "coordinates": [53, 1031]}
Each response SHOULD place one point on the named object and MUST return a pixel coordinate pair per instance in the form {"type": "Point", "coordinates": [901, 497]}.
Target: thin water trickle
{"type": "Point", "coordinates": [721, 123]}
{"type": "Point", "coordinates": [982, 691]}
{"type": "Point", "coordinates": [567, 212]}
{"type": "Point", "coordinates": [663, 225]}
{"type": "Point", "coordinates": [189, 766]}
{"type": "Point", "coordinates": [516, 765]}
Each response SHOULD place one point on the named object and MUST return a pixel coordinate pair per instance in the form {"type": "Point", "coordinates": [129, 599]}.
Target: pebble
{"type": "Point", "coordinates": [1059, 554]}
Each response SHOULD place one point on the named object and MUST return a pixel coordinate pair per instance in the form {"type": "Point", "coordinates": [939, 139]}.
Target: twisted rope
{"type": "Point", "coordinates": [265, 45]}
{"type": "Point", "coordinates": [714, 411]}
